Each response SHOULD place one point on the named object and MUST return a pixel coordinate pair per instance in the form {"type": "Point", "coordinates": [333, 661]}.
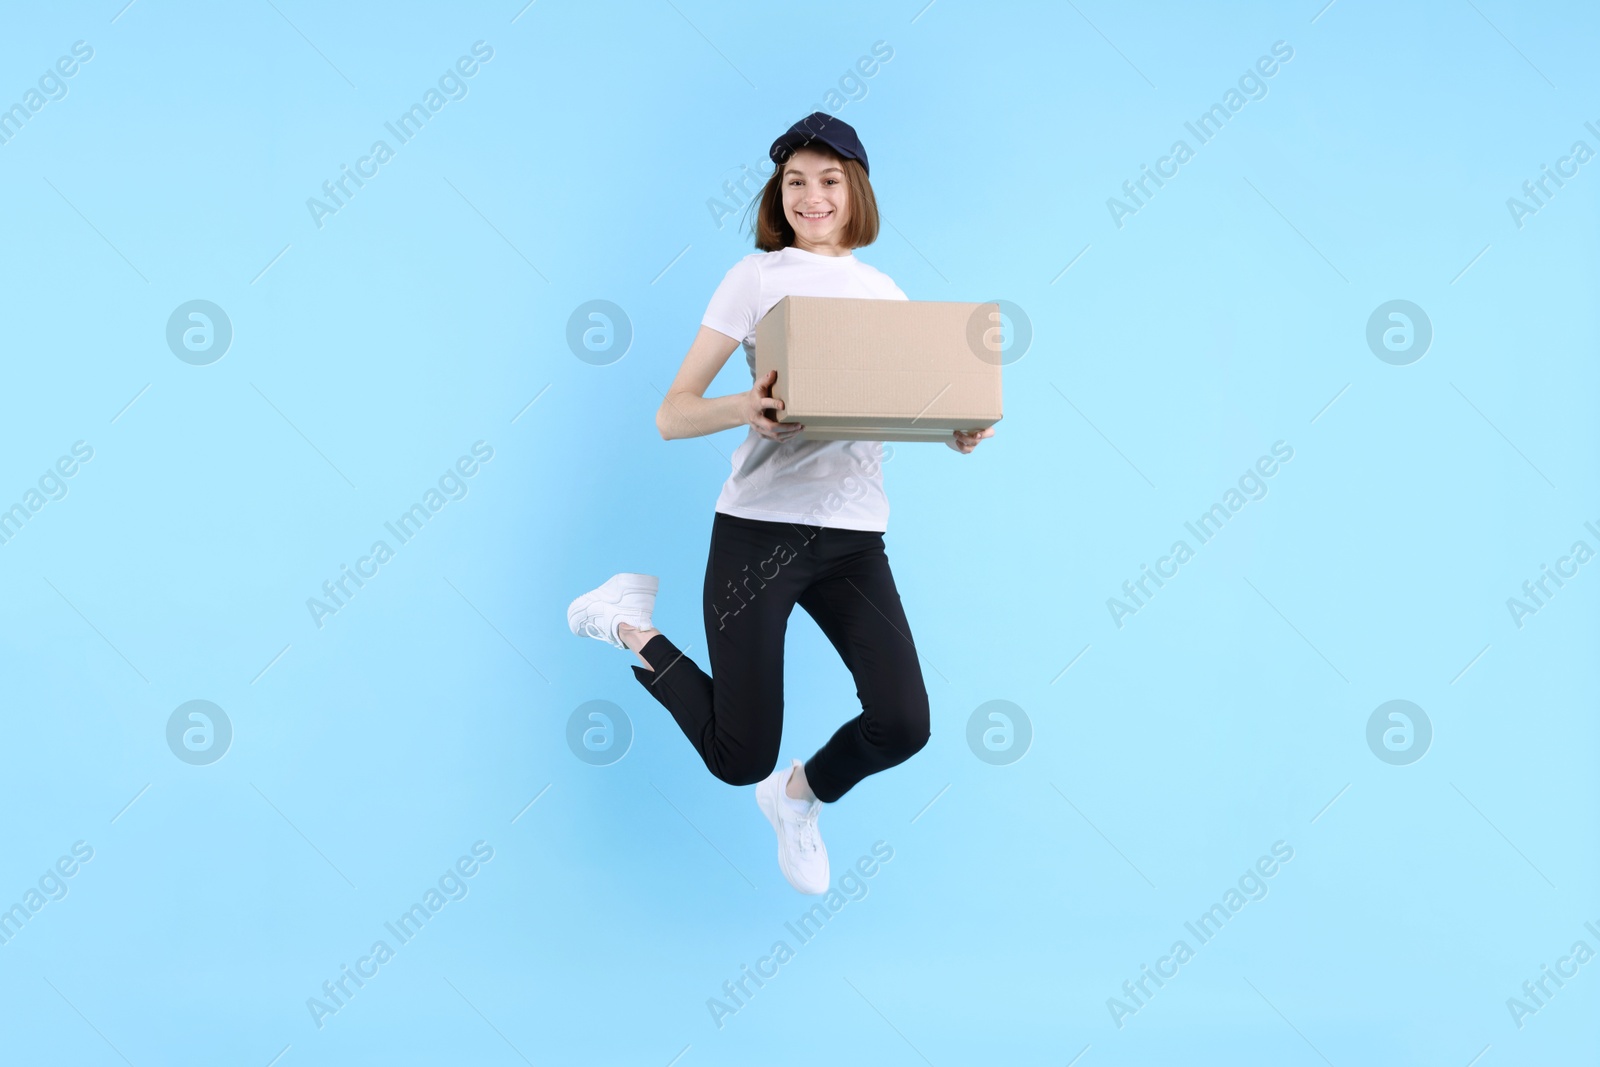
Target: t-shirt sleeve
{"type": "Point", "coordinates": [890, 290]}
{"type": "Point", "coordinates": [734, 306]}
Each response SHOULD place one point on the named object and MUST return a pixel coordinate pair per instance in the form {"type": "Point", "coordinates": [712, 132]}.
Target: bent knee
{"type": "Point", "coordinates": [907, 730]}
{"type": "Point", "coordinates": [744, 771]}
{"type": "Point", "coordinates": [909, 742]}
{"type": "Point", "coordinates": [744, 778]}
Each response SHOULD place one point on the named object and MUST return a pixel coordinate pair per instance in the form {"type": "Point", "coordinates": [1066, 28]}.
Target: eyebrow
{"type": "Point", "coordinates": [825, 170]}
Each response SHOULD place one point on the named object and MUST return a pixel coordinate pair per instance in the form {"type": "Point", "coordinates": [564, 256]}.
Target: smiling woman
{"type": "Point", "coordinates": [783, 532]}
{"type": "Point", "coordinates": [819, 201]}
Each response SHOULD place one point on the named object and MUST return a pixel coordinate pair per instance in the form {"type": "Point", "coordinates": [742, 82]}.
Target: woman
{"type": "Point", "coordinates": [783, 533]}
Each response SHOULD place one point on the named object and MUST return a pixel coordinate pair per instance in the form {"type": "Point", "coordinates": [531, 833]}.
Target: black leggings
{"type": "Point", "coordinates": [756, 574]}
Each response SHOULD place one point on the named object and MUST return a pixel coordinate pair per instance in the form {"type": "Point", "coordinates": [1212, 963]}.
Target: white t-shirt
{"type": "Point", "coordinates": [814, 483]}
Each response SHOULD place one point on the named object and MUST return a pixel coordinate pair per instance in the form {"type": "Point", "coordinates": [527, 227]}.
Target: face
{"type": "Point", "coordinates": [816, 201]}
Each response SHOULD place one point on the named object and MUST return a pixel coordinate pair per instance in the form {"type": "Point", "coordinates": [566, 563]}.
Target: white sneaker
{"type": "Point", "coordinates": [625, 597]}
{"type": "Point", "coordinates": [801, 854]}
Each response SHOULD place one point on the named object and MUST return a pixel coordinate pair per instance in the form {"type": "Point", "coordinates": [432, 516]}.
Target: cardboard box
{"type": "Point", "coordinates": [882, 370]}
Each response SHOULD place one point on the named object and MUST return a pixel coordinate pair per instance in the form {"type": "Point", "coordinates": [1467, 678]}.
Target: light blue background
{"type": "Point", "coordinates": [426, 715]}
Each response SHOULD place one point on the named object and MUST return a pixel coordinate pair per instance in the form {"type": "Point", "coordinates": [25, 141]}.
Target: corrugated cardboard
{"type": "Point", "coordinates": [882, 370]}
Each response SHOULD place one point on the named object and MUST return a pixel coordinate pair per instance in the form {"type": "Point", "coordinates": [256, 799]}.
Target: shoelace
{"type": "Point", "coordinates": [806, 832]}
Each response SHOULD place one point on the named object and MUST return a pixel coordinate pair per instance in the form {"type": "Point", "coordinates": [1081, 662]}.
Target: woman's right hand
{"type": "Point", "coordinates": [759, 401]}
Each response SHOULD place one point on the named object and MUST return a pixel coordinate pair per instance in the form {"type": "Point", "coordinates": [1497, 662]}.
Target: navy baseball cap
{"type": "Point", "coordinates": [820, 126]}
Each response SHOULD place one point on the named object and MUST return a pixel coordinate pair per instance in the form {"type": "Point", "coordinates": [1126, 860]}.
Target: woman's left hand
{"type": "Point", "coordinates": [964, 442]}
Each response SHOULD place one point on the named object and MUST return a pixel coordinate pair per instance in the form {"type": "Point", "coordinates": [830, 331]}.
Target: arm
{"type": "Point", "coordinates": [687, 412]}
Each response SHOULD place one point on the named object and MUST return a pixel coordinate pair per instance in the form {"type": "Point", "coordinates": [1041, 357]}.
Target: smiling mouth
{"type": "Point", "coordinates": [814, 217]}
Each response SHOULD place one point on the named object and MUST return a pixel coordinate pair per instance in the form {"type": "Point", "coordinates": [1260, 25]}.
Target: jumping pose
{"type": "Point", "coordinates": [797, 522]}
